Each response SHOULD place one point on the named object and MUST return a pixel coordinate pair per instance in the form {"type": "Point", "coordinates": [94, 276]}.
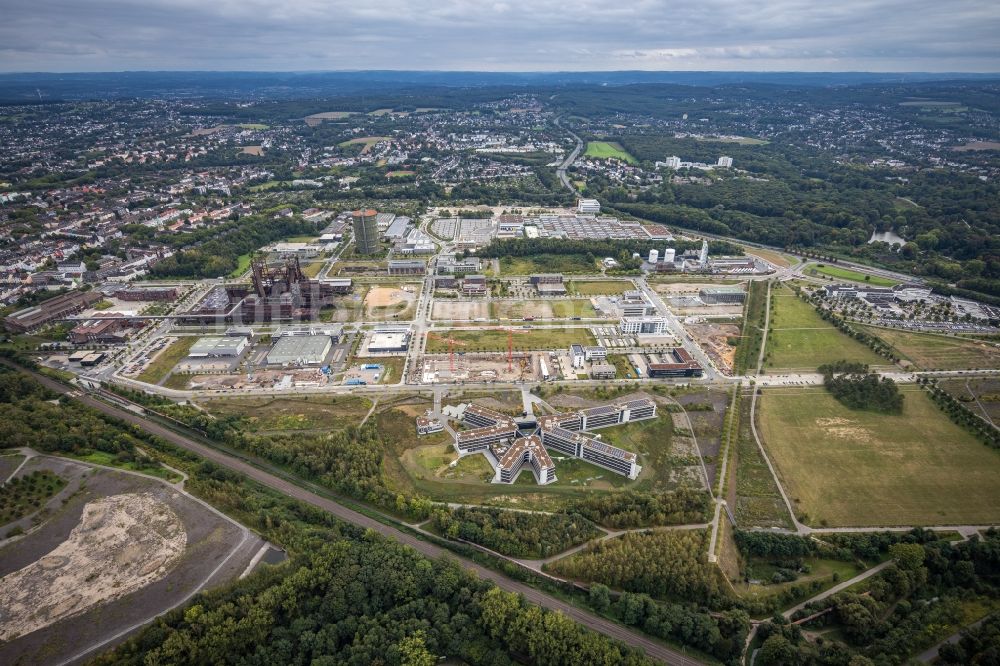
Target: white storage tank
{"type": "Point", "coordinates": [668, 255]}
{"type": "Point", "coordinates": [654, 256]}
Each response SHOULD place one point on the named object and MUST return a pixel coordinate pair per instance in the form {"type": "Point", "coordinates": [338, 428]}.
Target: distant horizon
{"type": "Point", "coordinates": [874, 72]}
{"type": "Point", "coordinates": [513, 36]}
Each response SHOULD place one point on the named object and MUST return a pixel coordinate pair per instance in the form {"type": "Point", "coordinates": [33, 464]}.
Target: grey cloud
{"type": "Point", "coordinates": [886, 35]}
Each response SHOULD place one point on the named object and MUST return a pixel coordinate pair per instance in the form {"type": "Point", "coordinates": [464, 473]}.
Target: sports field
{"type": "Point", "coordinates": [608, 149]}
{"type": "Point", "coordinates": [523, 339]}
{"type": "Point", "coordinates": [801, 340]}
{"type": "Point", "coordinates": [847, 274]}
{"type": "Point", "coordinates": [929, 351]}
{"type": "Point", "coordinates": [842, 467]}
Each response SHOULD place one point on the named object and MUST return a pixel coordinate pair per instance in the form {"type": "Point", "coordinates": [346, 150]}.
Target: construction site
{"type": "Point", "coordinates": [277, 292]}
{"type": "Point", "coordinates": [478, 367]}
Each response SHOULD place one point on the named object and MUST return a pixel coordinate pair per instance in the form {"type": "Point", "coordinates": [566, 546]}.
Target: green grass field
{"type": "Point", "coordinates": [242, 266]}
{"type": "Point", "coordinates": [801, 340]}
{"type": "Point", "coordinates": [546, 263]}
{"type": "Point", "coordinates": [652, 441]}
{"type": "Point", "coordinates": [109, 460]}
{"type": "Point", "coordinates": [930, 351]}
{"type": "Point", "coordinates": [253, 126]}
{"type": "Point", "coordinates": [608, 149]}
{"type": "Point", "coordinates": [599, 287]}
{"type": "Point", "coordinates": [167, 359]}
{"type": "Point", "coordinates": [523, 339]}
{"type": "Point", "coordinates": [289, 414]}
{"type": "Point", "coordinates": [842, 467]}
{"type": "Point", "coordinates": [393, 369]}
{"type": "Point", "coordinates": [847, 274]}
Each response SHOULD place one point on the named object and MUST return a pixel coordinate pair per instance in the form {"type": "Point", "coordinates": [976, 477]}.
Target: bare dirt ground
{"type": "Point", "coordinates": [122, 543]}
{"type": "Point", "coordinates": [476, 367]}
{"type": "Point", "coordinates": [460, 310]}
{"type": "Point", "coordinates": [379, 300]}
{"type": "Point", "coordinates": [117, 552]}
{"type": "Point", "coordinates": [713, 339]}
{"type": "Point", "coordinates": [682, 288]}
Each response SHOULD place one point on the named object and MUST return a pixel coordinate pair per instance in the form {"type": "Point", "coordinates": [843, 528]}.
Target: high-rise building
{"type": "Point", "coordinates": [366, 231]}
{"type": "Point", "coordinates": [725, 161]}
{"type": "Point", "coordinates": [673, 162]}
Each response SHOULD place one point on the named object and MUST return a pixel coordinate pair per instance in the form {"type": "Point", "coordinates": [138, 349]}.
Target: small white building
{"type": "Point", "coordinates": [577, 355]}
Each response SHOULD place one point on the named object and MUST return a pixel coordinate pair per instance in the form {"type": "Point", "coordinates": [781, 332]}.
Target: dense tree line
{"type": "Point", "coordinates": [31, 416]}
{"type": "Point", "coordinates": [665, 565]}
{"type": "Point", "coordinates": [215, 252]}
{"type": "Point", "coordinates": [524, 247]}
{"type": "Point", "coordinates": [720, 634]}
{"type": "Point", "coordinates": [630, 508]}
{"type": "Point", "coordinates": [903, 609]}
{"type": "Point", "coordinates": [748, 346]}
{"type": "Point", "coordinates": [962, 415]}
{"type": "Point", "coordinates": [862, 390]}
{"type": "Point", "coordinates": [365, 601]}
{"type": "Point", "coordinates": [978, 645]}
{"type": "Point", "coordinates": [515, 533]}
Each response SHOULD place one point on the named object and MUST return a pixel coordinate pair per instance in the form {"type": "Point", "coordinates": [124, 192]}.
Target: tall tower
{"type": "Point", "coordinates": [365, 231]}
{"type": "Point", "coordinates": [703, 258]}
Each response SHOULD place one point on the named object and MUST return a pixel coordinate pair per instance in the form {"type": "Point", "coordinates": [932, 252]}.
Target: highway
{"type": "Point", "coordinates": [561, 171]}
{"type": "Point", "coordinates": [652, 648]}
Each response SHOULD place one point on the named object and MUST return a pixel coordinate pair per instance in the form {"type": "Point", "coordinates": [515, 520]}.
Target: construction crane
{"type": "Point", "coordinates": [451, 347]}
{"type": "Point", "coordinates": [510, 347]}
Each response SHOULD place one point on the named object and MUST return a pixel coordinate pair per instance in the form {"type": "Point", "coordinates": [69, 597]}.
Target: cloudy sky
{"type": "Point", "coordinates": [501, 35]}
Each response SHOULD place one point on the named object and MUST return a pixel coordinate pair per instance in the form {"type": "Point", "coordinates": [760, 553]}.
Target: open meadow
{"type": "Point", "coordinates": [801, 340]}
{"type": "Point", "coordinates": [299, 413]}
{"type": "Point", "coordinates": [608, 150]}
{"type": "Point", "coordinates": [847, 274]}
{"type": "Point", "coordinates": [844, 467]}
{"type": "Point", "coordinates": [599, 287]}
{"type": "Point", "coordinates": [547, 263]}
{"type": "Point", "coordinates": [930, 351]}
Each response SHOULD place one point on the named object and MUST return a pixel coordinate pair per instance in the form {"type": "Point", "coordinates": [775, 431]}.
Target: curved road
{"type": "Point", "coordinates": [652, 648]}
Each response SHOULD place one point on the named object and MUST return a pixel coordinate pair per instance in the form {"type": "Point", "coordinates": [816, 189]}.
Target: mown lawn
{"type": "Point", "coordinates": [853, 276]}
{"type": "Point", "coordinates": [608, 149]}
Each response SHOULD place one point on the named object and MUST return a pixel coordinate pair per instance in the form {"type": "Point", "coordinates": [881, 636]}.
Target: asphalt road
{"type": "Point", "coordinates": [652, 648]}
